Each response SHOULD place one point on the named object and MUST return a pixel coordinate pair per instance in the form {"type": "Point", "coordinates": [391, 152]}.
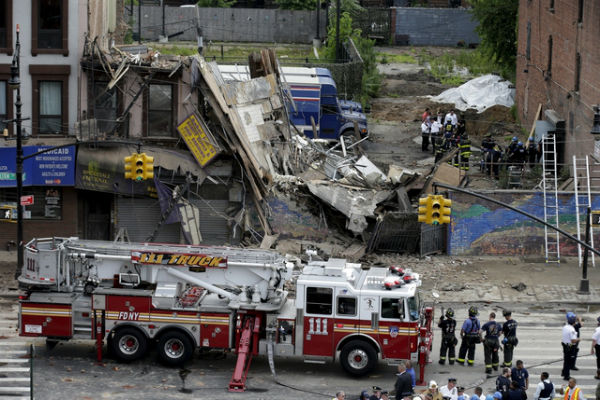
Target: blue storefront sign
{"type": "Point", "coordinates": [54, 168]}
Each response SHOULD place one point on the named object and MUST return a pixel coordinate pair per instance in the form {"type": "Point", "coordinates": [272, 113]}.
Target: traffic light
{"type": "Point", "coordinates": [436, 209]}
{"type": "Point", "coordinates": [446, 211]}
{"type": "Point", "coordinates": [130, 165]}
{"type": "Point", "coordinates": [147, 166]}
{"type": "Point", "coordinates": [425, 209]}
{"type": "Point", "coordinates": [139, 167]}
{"type": "Point", "coordinates": [440, 210]}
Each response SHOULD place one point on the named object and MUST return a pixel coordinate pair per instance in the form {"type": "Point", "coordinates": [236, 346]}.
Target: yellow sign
{"type": "Point", "coordinates": [201, 260]}
{"type": "Point", "coordinates": [198, 140]}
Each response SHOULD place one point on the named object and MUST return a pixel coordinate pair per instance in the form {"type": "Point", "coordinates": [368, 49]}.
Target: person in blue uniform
{"type": "Point", "coordinates": [491, 345]}
{"type": "Point", "coordinates": [470, 337]}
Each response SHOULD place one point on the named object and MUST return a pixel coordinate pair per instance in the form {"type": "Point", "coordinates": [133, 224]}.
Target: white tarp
{"type": "Point", "coordinates": [479, 93]}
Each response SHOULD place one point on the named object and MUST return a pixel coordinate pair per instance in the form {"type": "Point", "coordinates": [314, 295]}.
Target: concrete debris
{"type": "Point", "coordinates": [249, 120]}
{"type": "Point", "coordinates": [519, 286]}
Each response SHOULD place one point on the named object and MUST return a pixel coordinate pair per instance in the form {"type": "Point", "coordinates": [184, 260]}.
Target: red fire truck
{"type": "Point", "coordinates": [181, 297]}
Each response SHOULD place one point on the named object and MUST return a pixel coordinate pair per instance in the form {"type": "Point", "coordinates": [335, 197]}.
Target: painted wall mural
{"type": "Point", "coordinates": [482, 228]}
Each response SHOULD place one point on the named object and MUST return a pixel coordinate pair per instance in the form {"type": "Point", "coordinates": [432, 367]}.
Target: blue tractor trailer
{"type": "Point", "coordinates": [312, 98]}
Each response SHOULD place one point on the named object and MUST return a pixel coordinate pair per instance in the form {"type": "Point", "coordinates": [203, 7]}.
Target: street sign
{"type": "Point", "coordinates": [596, 218]}
{"type": "Point", "coordinates": [27, 200]}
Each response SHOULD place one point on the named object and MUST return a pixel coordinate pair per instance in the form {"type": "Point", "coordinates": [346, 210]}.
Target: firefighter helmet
{"type": "Point", "coordinates": [450, 313]}
{"type": "Point", "coordinates": [571, 317]}
{"type": "Point", "coordinates": [507, 313]}
{"type": "Point", "coordinates": [473, 311]}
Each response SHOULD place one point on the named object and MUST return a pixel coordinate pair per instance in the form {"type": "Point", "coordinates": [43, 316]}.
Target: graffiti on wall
{"type": "Point", "coordinates": [483, 228]}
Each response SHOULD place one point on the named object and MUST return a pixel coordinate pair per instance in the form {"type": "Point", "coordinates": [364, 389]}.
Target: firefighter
{"type": "Point", "coordinates": [510, 341]}
{"type": "Point", "coordinates": [531, 152]}
{"type": "Point", "coordinates": [464, 150]}
{"type": "Point", "coordinates": [487, 145]}
{"type": "Point", "coordinates": [494, 160]}
{"type": "Point", "coordinates": [441, 146]}
{"type": "Point", "coordinates": [491, 345]}
{"type": "Point", "coordinates": [470, 337]}
{"type": "Point", "coordinates": [449, 341]}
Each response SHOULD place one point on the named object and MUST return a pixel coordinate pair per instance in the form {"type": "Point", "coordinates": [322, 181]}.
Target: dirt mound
{"type": "Point", "coordinates": [497, 120]}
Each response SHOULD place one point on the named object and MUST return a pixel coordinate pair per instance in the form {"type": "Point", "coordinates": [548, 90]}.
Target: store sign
{"type": "Point", "coordinates": [198, 139]}
{"type": "Point", "coordinates": [27, 200]}
{"type": "Point", "coordinates": [54, 168]}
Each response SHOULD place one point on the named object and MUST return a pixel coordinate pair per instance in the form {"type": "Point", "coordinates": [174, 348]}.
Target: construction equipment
{"type": "Point", "coordinates": [186, 297]}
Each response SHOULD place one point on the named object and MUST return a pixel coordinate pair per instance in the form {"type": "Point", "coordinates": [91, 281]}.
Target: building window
{"type": "Point", "coordinates": [47, 202]}
{"type": "Point", "coordinates": [319, 300]}
{"type": "Point", "coordinates": [551, 6]}
{"type": "Point", "coordinates": [6, 104]}
{"type": "Point", "coordinates": [528, 48]}
{"type": "Point", "coordinates": [105, 107]}
{"type": "Point", "coordinates": [50, 116]}
{"type": "Point", "coordinates": [50, 99]}
{"type": "Point", "coordinates": [549, 69]}
{"type": "Point", "coordinates": [6, 26]}
{"type": "Point", "coordinates": [159, 110]}
{"type": "Point", "coordinates": [580, 12]}
{"type": "Point", "coordinates": [49, 27]}
{"type": "Point", "coordinates": [577, 71]}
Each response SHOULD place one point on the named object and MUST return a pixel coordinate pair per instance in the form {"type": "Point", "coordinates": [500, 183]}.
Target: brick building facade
{"type": "Point", "coordinates": [558, 66]}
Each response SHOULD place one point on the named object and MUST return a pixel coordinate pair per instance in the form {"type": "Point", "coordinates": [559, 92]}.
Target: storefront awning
{"type": "Point", "coordinates": [102, 168]}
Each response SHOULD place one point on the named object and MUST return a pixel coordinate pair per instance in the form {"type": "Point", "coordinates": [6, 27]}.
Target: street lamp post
{"type": "Point", "coordinates": [15, 83]}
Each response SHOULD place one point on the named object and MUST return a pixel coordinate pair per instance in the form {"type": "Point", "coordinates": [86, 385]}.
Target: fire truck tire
{"type": "Point", "coordinates": [129, 344]}
{"type": "Point", "coordinates": [174, 348]}
{"type": "Point", "coordinates": [358, 358]}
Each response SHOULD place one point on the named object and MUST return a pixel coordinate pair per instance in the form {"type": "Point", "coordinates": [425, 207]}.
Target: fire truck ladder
{"type": "Point", "coordinates": [247, 347]}
{"type": "Point", "coordinates": [583, 184]}
{"type": "Point", "coordinates": [16, 372]}
{"type": "Point", "coordinates": [550, 190]}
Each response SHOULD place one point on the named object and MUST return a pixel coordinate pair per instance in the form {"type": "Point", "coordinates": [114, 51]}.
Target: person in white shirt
{"type": "Point", "coordinates": [450, 389]}
{"type": "Point", "coordinates": [544, 389]}
{"type": "Point", "coordinates": [596, 348]}
{"type": "Point", "coordinates": [569, 342]}
{"type": "Point", "coordinates": [436, 131]}
{"type": "Point", "coordinates": [452, 118]}
{"type": "Point", "coordinates": [478, 394]}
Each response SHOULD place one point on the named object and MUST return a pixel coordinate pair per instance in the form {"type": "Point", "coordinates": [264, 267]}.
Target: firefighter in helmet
{"type": "Point", "coordinates": [449, 341]}
{"type": "Point", "coordinates": [470, 337]}
{"type": "Point", "coordinates": [510, 341]}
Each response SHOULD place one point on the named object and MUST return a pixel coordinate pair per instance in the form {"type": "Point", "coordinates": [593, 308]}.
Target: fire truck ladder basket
{"type": "Point", "coordinates": [246, 348]}
{"type": "Point", "coordinates": [16, 372]}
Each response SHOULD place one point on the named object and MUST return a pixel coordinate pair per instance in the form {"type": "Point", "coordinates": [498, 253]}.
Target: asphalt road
{"type": "Point", "coordinates": [70, 371]}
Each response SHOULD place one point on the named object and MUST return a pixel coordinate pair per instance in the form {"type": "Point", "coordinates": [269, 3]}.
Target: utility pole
{"type": "Point", "coordinates": [337, 31]}
{"type": "Point", "coordinates": [15, 83]}
{"type": "Point", "coordinates": [584, 284]}
{"type": "Point", "coordinates": [139, 21]}
{"type": "Point", "coordinates": [319, 19]}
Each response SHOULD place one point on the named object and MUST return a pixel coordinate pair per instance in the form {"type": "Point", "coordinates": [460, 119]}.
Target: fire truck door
{"type": "Point", "coordinates": [318, 322]}
{"type": "Point", "coordinates": [394, 338]}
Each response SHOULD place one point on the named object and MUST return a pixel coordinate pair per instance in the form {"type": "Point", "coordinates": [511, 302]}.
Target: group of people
{"type": "Point", "coordinates": [471, 334]}
{"type": "Point", "coordinates": [515, 154]}
{"type": "Point", "coordinates": [512, 383]}
{"type": "Point", "coordinates": [445, 133]}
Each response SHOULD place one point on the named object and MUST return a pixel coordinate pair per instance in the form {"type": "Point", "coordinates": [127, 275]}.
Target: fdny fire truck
{"type": "Point", "coordinates": [180, 297]}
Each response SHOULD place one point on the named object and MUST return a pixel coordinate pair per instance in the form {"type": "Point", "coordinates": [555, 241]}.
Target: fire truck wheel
{"type": "Point", "coordinates": [129, 344]}
{"type": "Point", "coordinates": [358, 358]}
{"type": "Point", "coordinates": [175, 348]}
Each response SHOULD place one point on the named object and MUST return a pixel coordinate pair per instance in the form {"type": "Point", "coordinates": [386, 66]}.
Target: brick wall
{"type": "Point", "coordinates": [434, 26]}
{"type": "Point", "coordinates": [557, 89]}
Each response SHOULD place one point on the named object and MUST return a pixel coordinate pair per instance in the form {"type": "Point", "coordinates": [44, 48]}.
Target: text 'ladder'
{"type": "Point", "coordinates": [583, 184]}
{"type": "Point", "coordinates": [550, 189]}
